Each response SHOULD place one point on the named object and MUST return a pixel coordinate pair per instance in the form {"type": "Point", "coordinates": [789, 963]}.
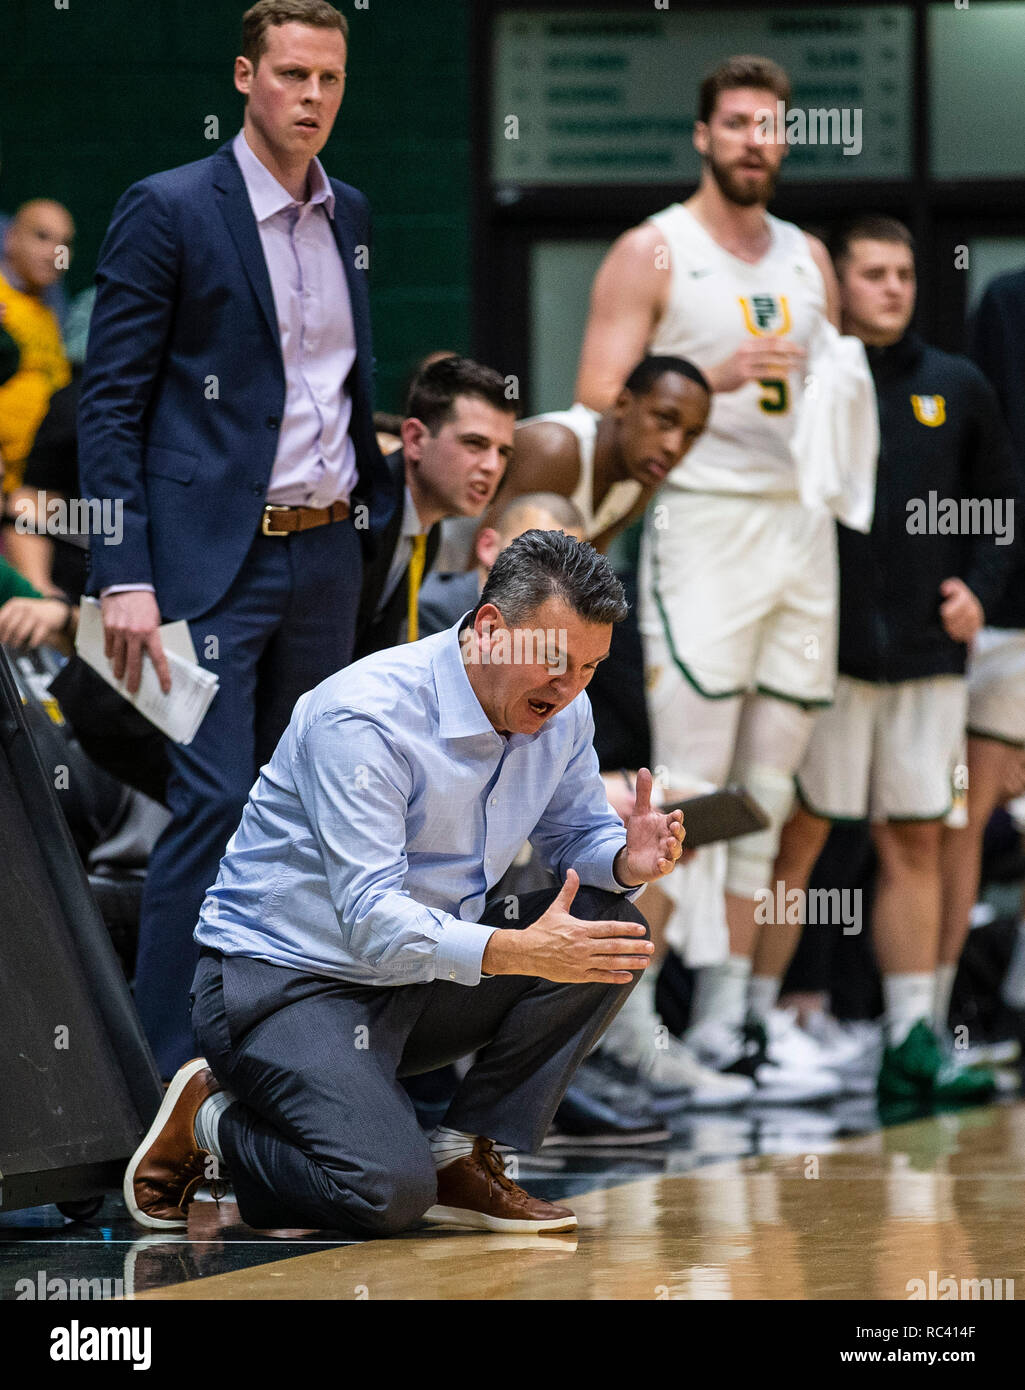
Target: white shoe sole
{"type": "Point", "coordinates": [790, 1120]}
{"type": "Point", "coordinates": [715, 1099]}
{"type": "Point", "coordinates": [707, 1091]}
{"type": "Point", "coordinates": [480, 1221]}
{"type": "Point", "coordinates": [1003, 1054]}
{"type": "Point", "coordinates": [171, 1098]}
{"type": "Point", "coordinates": [792, 1090]}
{"type": "Point", "coordinates": [1007, 1081]}
{"type": "Point", "coordinates": [605, 1141]}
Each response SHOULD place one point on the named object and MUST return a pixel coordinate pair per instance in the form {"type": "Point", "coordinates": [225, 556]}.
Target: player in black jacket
{"type": "Point", "coordinates": [913, 593]}
{"type": "Point", "coordinates": [996, 674]}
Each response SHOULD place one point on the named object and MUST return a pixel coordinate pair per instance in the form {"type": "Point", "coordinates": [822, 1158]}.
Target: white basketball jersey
{"type": "Point", "coordinates": [716, 302]}
{"type": "Point", "coordinates": [620, 497]}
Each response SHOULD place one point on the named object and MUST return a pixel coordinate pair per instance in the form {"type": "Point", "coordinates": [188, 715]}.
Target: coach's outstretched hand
{"type": "Point", "coordinates": [654, 841]}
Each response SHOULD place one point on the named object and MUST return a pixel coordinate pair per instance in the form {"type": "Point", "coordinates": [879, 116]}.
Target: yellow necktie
{"type": "Point", "coordinates": [416, 573]}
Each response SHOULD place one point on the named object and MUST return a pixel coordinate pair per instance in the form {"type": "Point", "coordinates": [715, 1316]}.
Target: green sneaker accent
{"type": "Point", "coordinates": [917, 1069]}
{"type": "Point", "coordinates": [901, 1112]}
{"type": "Point", "coordinates": [958, 1082]}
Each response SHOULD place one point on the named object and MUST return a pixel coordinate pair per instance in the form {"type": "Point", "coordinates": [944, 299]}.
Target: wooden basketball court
{"type": "Point", "coordinates": [861, 1218]}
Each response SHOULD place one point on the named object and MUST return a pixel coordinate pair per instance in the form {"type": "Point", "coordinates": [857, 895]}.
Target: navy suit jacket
{"type": "Point", "coordinates": [184, 383]}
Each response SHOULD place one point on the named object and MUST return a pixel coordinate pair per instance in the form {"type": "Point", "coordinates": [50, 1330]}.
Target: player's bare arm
{"type": "Point", "coordinates": [629, 297]}
{"type": "Point", "coordinates": [822, 259]}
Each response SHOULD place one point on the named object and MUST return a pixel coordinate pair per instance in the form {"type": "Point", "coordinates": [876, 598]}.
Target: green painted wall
{"type": "Point", "coordinates": [97, 95]}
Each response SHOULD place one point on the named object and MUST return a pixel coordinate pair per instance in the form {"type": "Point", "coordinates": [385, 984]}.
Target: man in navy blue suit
{"type": "Point", "coordinates": [226, 402]}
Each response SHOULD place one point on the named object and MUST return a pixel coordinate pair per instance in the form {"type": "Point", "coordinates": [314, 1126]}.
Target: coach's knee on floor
{"type": "Point", "coordinates": [390, 1204]}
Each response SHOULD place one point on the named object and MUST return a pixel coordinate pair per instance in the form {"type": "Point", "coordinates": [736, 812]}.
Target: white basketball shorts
{"type": "Point", "coordinates": [996, 686]}
{"type": "Point", "coordinates": [886, 751]}
{"type": "Point", "coordinates": [740, 594]}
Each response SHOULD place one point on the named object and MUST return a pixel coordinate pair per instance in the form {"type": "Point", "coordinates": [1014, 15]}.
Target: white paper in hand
{"type": "Point", "coordinates": [180, 712]}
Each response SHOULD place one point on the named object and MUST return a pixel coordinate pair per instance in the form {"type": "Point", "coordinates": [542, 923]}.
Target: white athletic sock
{"type": "Point", "coordinates": [721, 992]}
{"type": "Point", "coordinates": [906, 999]}
{"type": "Point", "coordinates": [449, 1144]}
{"type": "Point", "coordinates": [206, 1126]}
{"type": "Point", "coordinates": [944, 987]}
{"type": "Point", "coordinates": [762, 993]}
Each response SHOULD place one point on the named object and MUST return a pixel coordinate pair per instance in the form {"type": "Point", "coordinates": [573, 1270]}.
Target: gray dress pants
{"type": "Point", "coordinates": [322, 1133]}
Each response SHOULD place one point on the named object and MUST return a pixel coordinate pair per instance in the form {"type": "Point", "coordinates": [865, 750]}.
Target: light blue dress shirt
{"type": "Point", "coordinates": [388, 812]}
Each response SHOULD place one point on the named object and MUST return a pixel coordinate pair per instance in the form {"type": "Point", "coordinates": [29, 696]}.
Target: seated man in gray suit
{"type": "Point", "coordinates": [349, 940]}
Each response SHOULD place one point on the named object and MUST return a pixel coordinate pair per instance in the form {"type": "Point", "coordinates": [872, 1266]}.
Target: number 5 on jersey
{"type": "Point", "coordinates": [776, 400]}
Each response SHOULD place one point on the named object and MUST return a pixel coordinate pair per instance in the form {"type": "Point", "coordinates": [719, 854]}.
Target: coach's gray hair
{"type": "Point", "coordinates": [540, 565]}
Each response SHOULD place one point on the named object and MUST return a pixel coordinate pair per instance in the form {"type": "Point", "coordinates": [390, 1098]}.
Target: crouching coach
{"type": "Point", "coordinates": [349, 940]}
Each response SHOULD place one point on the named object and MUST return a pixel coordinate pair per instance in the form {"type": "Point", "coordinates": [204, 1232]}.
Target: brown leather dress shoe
{"type": "Point", "coordinates": [168, 1166]}
{"type": "Point", "coordinates": [474, 1191]}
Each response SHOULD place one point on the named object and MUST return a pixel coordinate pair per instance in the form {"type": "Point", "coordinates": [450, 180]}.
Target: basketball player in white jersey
{"type": "Point", "coordinates": [611, 463]}
{"type": "Point", "coordinates": [738, 580]}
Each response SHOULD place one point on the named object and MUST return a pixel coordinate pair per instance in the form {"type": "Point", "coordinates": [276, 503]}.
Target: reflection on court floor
{"type": "Point", "coordinates": [887, 1215]}
{"type": "Point", "coordinates": [730, 1210]}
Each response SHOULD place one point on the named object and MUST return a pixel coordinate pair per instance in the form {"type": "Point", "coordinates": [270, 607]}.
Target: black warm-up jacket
{"type": "Point", "coordinates": [941, 432]}
{"type": "Point", "coordinates": [997, 343]}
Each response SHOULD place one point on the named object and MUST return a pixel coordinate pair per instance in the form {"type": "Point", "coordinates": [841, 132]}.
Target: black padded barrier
{"type": "Point", "coordinates": [78, 1085]}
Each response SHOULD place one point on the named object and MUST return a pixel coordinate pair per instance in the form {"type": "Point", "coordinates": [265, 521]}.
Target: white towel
{"type": "Point", "coordinates": [697, 929]}
{"type": "Point", "coordinates": [835, 446]}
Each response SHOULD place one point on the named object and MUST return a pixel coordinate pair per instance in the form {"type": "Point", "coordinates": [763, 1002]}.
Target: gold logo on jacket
{"type": "Point", "coordinates": [929, 410]}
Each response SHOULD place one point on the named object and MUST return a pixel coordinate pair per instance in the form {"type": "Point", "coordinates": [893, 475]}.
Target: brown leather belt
{"type": "Point", "coordinates": [283, 521]}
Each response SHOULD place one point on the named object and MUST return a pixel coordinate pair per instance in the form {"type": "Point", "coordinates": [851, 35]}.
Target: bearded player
{"type": "Point", "coordinates": [738, 579]}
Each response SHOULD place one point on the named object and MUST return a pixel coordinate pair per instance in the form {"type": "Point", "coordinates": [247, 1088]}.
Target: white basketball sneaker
{"type": "Point", "coordinates": [784, 1064]}
{"type": "Point", "coordinates": [638, 1041]}
{"type": "Point", "coordinates": [853, 1050]}
{"type": "Point", "coordinates": [673, 1066]}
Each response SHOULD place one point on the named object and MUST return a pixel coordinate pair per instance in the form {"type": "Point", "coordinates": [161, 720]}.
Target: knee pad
{"type": "Point", "coordinates": [752, 857]}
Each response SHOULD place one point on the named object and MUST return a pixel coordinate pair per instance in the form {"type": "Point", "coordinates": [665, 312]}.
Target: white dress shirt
{"type": "Point", "coordinates": [315, 463]}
